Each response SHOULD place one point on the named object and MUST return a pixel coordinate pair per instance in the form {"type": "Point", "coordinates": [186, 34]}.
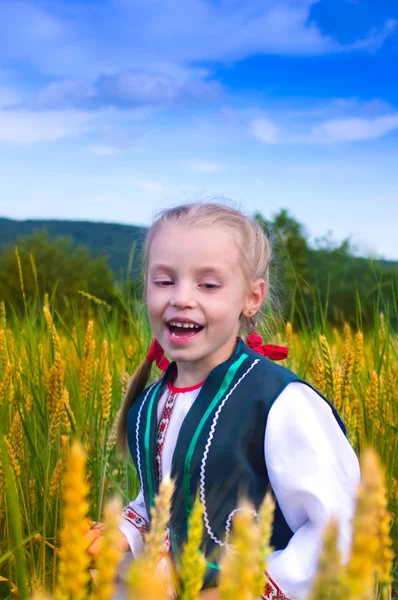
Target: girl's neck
{"type": "Point", "coordinates": [192, 373]}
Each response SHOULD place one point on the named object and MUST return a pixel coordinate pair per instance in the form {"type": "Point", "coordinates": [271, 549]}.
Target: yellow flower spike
{"type": "Point", "coordinates": [17, 436]}
{"type": "Point", "coordinates": [328, 583]}
{"type": "Point", "coordinates": [110, 555]}
{"type": "Point", "coordinates": [125, 378]}
{"type": "Point", "coordinates": [16, 467]}
{"type": "Point", "coordinates": [96, 300]}
{"type": "Point", "coordinates": [318, 370]}
{"type": "Point", "coordinates": [348, 365]}
{"type": "Point", "coordinates": [239, 568]}
{"type": "Point", "coordinates": [55, 382]}
{"type": "Point", "coordinates": [3, 347]}
{"type": "Point", "coordinates": [328, 364]}
{"type": "Point", "coordinates": [56, 478]}
{"type": "Point", "coordinates": [370, 544]}
{"type": "Point", "coordinates": [52, 329]}
{"type": "Point", "coordinates": [265, 521]}
{"type": "Point", "coordinates": [59, 412]}
{"type": "Point", "coordinates": [111, 441]}
{"type": "Point", "coordinates": [372, 396]}
{"type": "Point", "coordinates": [74, 560]}
{"type": "Point", "coordinates": [358, 354]}
{"type": "Point", "coordinates": [338, 388]}
{"type": "Point", "coordinates": [5, 384]}
{"type": "Point", "coordinates": [193, 563]}
{"type": "Point", "coordinates": [289, 335]}
{"type": "Point", "coordinates": [146, 580]}
{"type": "Point", "coordinates": [106, 393]}
{"type": "Point", "coordinates": [160, 514]}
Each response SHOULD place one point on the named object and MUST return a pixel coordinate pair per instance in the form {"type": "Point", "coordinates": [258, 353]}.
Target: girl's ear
{"type": "Point", "coordinates": [255, 297]}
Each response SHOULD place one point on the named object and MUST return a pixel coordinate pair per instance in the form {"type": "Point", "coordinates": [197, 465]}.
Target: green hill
{"type": "Point", "coordinates": [112, 240]}
{"type": "Point", "coordinates": [317, 283]}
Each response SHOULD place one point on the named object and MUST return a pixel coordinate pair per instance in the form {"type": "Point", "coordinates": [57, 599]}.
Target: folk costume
{"type": "Point", "coordinates": [251, 425]}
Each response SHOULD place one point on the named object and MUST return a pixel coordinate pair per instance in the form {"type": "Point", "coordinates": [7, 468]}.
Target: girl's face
{"type": "Point", "coordinates": [196, 293]}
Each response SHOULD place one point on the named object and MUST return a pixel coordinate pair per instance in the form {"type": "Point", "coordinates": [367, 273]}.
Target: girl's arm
{"type": "Point", "coordinates": [135, 523]}
{"type": "Point", "coordinates": [314, 474]}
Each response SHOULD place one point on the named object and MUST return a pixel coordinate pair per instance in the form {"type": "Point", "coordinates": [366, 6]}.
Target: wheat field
{"type": "Point", "coordinates": [62, 378]}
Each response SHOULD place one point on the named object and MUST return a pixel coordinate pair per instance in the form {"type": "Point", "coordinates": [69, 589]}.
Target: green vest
{"type": "Point", "coordinates": [219, 450]}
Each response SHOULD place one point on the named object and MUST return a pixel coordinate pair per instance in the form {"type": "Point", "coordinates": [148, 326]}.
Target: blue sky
{"type": "Point", "coordinates": [111, 110]}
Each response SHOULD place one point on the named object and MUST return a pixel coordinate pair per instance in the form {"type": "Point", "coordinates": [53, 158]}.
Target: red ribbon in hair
{"type": "Point", "coordinates": [156, 354]}
{"type": "Point", "coordinates": [256, 343]}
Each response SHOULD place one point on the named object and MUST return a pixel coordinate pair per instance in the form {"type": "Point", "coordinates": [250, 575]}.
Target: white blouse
{"type": "Point", "coordinates": [313, 471]}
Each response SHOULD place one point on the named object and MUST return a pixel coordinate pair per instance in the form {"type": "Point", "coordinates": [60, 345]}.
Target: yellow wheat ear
{"type": "Point", "coordinates": [110, 554]}
{"type": "Point", "coordinates": [328, 583]}
{"type": "Point", "coordinates": [152, 576]}
{"type": "Point", "coordinates": [73, 575]}
{"type": "Point", "coordinates": [371, 545]}
{"type": "Point", "coordinates": [160, 515]}
{"type": "Point", "coordinates": [193, 563]}
{"type": "Point", "coordinates": [244, 563]}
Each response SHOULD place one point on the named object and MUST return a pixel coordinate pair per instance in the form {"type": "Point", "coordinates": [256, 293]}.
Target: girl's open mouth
{"type": "Point", "coordinates": [183, 331]}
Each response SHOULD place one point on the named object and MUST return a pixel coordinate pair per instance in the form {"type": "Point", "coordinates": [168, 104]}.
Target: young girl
{"type": "Point", "coordinates": [225, 420]}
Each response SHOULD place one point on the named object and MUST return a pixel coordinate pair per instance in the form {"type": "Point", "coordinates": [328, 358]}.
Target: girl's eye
{"type": "Point", "coordinates": [210, 286]}
{"type": "Point", "coordinates": [163, 283]}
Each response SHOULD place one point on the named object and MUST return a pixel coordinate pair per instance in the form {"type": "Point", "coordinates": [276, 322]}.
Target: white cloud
{"type": "Point", "coordinates": [376, 38]}
{"type": "Point", "coordinates": [72, 40]}
{"type": "Point", "coordinates": [264, 130]}
{"type": "Point", "coordinates": [27, 127]}
{"type": "Point", "coordinates": [362, 126]}
{"type": "Point", "coordinates": [205, 166]}
{"type": "Point", "coordinates": [149, 186]}
{"type": "Point", "coordinates": [354, 129]}
{"type": "Point", "coordinates": [125, 90]}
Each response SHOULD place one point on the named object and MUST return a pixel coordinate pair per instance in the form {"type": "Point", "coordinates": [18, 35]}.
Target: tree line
{"type": "Point", "coordinates": [325, 284]}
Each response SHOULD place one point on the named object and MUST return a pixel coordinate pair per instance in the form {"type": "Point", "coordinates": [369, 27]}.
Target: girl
{"type": "Point", "coordinates": [225, 420]}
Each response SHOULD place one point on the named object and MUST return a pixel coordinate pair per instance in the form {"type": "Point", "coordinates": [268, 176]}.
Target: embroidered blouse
{"type": "Point", "coordinates": [313, 471]}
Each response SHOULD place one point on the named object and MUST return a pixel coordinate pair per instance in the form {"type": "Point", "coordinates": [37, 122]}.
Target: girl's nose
{"type": "Point", "coordinates": [183, 297]}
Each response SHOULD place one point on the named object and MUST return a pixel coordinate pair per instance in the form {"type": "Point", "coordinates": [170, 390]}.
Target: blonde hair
{"type": "Point", "coordinates": [255, 250]}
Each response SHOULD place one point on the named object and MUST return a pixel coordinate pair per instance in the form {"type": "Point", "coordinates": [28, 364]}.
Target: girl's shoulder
{"type": "Point", "coordinates": [268, 368]}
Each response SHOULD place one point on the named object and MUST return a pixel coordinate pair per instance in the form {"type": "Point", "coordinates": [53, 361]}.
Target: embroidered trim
{"type": "Point", "coordinates": [136, 519]}
{"type": "Point", "coordinates": [272, 591]}
{"type": "Point", "coordinates": [206, 452]}
{"type": "Point", "coordinates": [163, 425]}
{"type": "Point", "coordinates": [137, 431]}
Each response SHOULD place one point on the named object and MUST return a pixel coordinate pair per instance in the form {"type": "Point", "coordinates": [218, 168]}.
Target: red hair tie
{"type": "Point", "coordinates": [256, 343]}
{"type": "Point", "coordinates": [156, 354]}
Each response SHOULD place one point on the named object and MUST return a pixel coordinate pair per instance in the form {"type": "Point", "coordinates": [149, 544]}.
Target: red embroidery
{"type": "Point", "coordinates": [162, 429]}
{"type": "Point", "coordinates": [135, 519]}
{"type": "Point", "coordinates": [272, 591]}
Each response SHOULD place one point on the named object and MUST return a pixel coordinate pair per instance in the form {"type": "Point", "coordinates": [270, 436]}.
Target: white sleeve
{"type": "Point", "coordinates": [314, 474]}
{"type": "Point", "coordinates": [135, 523]}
